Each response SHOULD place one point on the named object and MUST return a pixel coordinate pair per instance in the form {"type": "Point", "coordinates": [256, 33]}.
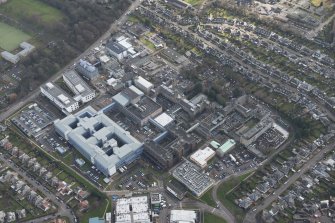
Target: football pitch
{"type": "Point", "coordinates": [10, 37]}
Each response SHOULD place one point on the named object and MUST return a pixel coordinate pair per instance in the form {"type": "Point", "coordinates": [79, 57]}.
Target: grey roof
{"type": "Point", "coordinates": [121, 99]}
{"type": "Point", "coordinates": [93, 133]}
{"type": "Point", "coordinates": [116, 47]}
{"type": "Point", "coordinates": [78, 83]}
{"type": "Point", "coordinates": [59, 94]}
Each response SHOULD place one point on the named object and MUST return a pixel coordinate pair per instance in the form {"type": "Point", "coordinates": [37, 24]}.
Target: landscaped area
{"type": "Point", "coordinates": [208, 199]}
{"type": "Point", "coordinates": [29, 9]}
{"type": "Point", "coordinates": [194, 2]}
{"type": "Point", "coordinates": [226, 194]}
{"type": "Point", "coordinates": [10, 37]}
{"type": "Point", "coordinates": [316, 3]}
{"type": "Point", "coordinates": [210, 218]}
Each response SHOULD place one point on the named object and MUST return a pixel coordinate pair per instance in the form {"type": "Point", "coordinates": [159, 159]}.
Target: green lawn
{"type": "Point", "coordinates": [208, 199]}
{"type": "Point", "coordinates": [28, 9]}
{"type": "Point", "coordinates": [316, 3]}
{"type": "Point", "coordinates": [10, 37]}
{"type": "Point", "coordinates": [210, 218]}
{"type": "Point", "coordinates": [147, 43]}
{"type": "Point", "coordinates": [194, 2]}
{"type": "Point", "coordinates": [226, 196]}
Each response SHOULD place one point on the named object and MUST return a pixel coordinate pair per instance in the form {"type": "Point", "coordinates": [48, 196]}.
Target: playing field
{"type": "Point", "coordinates": [24, 9]}
{"type": "Point", "coordinates": [10, 37]}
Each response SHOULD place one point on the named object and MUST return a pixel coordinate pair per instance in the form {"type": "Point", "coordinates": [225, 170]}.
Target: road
{"type": "Point", "coordinates": [251, 215]}
{"type": "Point", "coordinates": [62, 209]}
{"type": "Point", "coordinates": [314, 32]}
{"type": "Point", "coordinates": [10, 110]}
{"type": "Point", "coordinates": [228, 53]}
{"type": "Point", "coordinates": [32, 95]}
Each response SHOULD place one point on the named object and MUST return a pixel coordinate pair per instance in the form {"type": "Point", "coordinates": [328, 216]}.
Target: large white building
{"type": "Point", "coordinates": [15, 58]}
{"type": "Point", "coordinates": [202, 156]}
{"type": "Point", "coordinates": [121, 48]}
{"type": "Point", "coordinates": [132, 210]}
{"type": "Point", "coordinates": [143, 84]}
{"type": "Point", "coordinates": [78, 86]}
{"type": "Point", "coordinates": [99, 139]}
{"type": "Point", "coordinates": [59, 97]}
{"type": "Point", "coordinates": [183, 216]}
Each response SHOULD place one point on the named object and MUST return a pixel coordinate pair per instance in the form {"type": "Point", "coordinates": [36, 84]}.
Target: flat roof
{"type": "Point", "coordinates": [80, 85]}
{"type": "Point", "coordinates": [227, 145]}
{"type": "Point", "coordinates": [133, 209]}
{"type": "Point", "coordinates": [116, 47]}
{"type": "Point", "coordinates": [143, 82]}
{"type": "Point", "coordinates": [183, 216]}
{"type": "Point", "coordinates": [192, 177]}
{"type": "Point", "coordinates": [93, 133]}
{"type": "Point", "coordinates": [164, 119]}
{"type": "Point", "coordinates": [201, 156]}
{"type": "Point", "coordinates": [144, 107]}
{"type": "Point", "coordinates": [59, 94]}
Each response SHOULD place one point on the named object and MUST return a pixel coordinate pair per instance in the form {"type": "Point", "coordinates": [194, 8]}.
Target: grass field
{"type": "Point", "coordinates": [10, 37]}
{"type": "Point", "coordinates": [24, 9]}
{"type": "Point", "coordinates": [210, 218]}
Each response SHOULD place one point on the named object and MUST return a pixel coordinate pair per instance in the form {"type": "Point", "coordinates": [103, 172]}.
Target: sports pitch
{"type": "Point", "coordinates": [10, 37]}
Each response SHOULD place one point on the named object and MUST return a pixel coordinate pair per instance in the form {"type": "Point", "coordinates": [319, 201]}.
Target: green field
{"type": "Point", "coordinates": [10, 37]}
{"type": "Point", "coordinates": [208, 199]}
{"type": "Point", "coordinates": [210, 218]}
{"type": "Point", "coordinates": [27, 9]}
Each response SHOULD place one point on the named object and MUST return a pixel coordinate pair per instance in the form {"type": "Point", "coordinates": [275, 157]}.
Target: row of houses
{"type": "Point", "coordinates": [33, 165]}
{"type": "Point", "coordinates": [273, 179]}
{"type": "Point", "coordinates": [24, 191]}
{"type": "Point", "coordinates": [11, 216]}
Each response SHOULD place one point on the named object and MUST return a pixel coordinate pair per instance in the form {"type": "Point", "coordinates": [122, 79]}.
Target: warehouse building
{"type": "Point", "coordinates": [59, 97]}
{"type": "Point", "coordinates": [99, 139]}
{"type": "Point", "coordinates": [78, 86]}
{"type": "Point", "coordinates": [87, 70]}
{"type": "Point", "coordinates": [202, 156]}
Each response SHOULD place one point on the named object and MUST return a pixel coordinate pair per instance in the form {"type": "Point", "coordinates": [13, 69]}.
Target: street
{"type": "Point", "coordinates": [251, 215]}
{"type": "Point", "coordinates": [62, 209]}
